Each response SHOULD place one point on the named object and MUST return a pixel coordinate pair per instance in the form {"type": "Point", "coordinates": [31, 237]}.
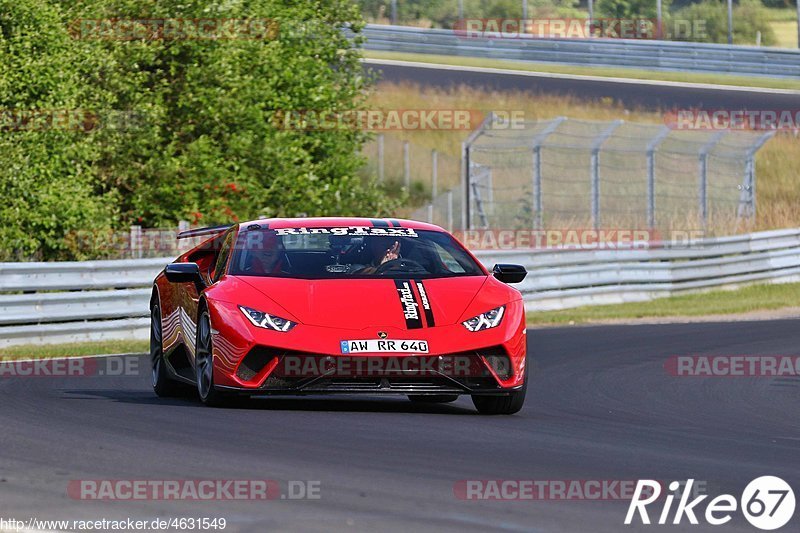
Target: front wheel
{"type": "Point", "coordinates": [204, 364]}
{"type": "Point", "coordinates": [502, 405]}
{"type": "Point", "coordinates": [162, 385]}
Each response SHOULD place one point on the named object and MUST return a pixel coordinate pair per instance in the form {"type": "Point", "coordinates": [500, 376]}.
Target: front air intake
{"type": "Point", "coordinates": [255, 361]}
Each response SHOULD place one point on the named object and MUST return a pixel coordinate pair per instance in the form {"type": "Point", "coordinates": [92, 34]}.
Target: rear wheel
{"type": "Point", "coordinates": [162, 384]}
{"type": "Point", "coordinates": [433, 398]}
{"type": "Point", "coordinates": [204, 364]}
{"type": "Point", "coordinates": [502, 405]}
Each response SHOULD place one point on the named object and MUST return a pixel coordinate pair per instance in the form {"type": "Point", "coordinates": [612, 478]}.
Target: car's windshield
{"type": "Point", "coordinates": [348, 252]}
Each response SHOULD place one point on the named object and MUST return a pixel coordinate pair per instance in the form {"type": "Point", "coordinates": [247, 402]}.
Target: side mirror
{"type": "Point", "coordinates": [509, 273]}
{"type": "Point", "coordinates": [185, 273]}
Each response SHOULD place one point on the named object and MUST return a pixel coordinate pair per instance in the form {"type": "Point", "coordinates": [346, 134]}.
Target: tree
{"type": "Point", "coordinates": [209, 147]}
{"type": "Point", "coordinates": [204, 145]}
{"type": "Point", "coordinates": [47, 186]}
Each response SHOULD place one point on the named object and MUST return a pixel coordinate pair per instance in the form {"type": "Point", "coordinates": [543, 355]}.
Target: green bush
{"type": "Point", "coordinates": [444, 13]}
{"type": "Point", "coordinates": [749, 17]}
{"type": "Point", "coordinates": [205, 147]}
{"type": "Point", "coordinates": [630, 9]}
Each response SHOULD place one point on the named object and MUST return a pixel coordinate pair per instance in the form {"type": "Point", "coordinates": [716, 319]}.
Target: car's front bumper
{"type": "Point", "coordinates": [304, 361]}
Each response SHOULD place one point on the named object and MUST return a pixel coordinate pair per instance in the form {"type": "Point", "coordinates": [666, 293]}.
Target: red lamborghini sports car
{"type": "Point", "coordinates": [338, 305]}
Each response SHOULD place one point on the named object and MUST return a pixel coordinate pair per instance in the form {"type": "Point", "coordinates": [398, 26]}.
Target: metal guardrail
{"type": "Point", "coordinates": [76, 301]}
{"type": "Point", "coordinates": [647, 54]}
{"type": "Point", "coordinates": [101, 300]}
{"type": "Point", "coordinates": [564, 279]}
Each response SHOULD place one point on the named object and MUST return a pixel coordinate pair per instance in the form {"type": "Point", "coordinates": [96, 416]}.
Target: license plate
{"type": "Point", "coordinates": [384, 346]}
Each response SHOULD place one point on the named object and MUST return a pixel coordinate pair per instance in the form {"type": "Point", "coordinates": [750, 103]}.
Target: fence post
{"type": "Point", "coordinates": [464, 185]}
{"type": "Point", "coordinates": [537, 187]}
{"type": "Point", "coordinates": [651, 175]}
{"type": "Point", "coordinates": [595, 170]}
{"type": "Point", "coordinates": [380, 157]}
{"type": "Point", "coordinates": [183, 225]}
{"type": "Point", "coordinates": [136, 242]}
{"type": "Point", "coordinates": [450, 211]}
{"type": "Point", "coordinates": [537, 170]}
{"type": "Point", "coordinates": [490, 192]}
{"type": "Point", "coordinates": [746, 208]}
{"type": "Point", "coordinates": [434, 173]}
{"type": "Point", "coordinates": [430, 213]}
{"type": "Point", "coordinates": [702, 192]}
{"type": "Point", "coordinates": [406, 166]}
{"type": "Point", "coordinates": [466, 171]}
{"type": "Point", "coordinates": [703, 181]}
{"type": "Point", "coordinates": [747, 197]}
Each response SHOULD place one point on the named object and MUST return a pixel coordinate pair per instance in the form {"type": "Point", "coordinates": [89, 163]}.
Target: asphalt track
{"type": "Point", "coordinates": [634, 94]}
{"type": "Point", "coordinates": [600, 406]}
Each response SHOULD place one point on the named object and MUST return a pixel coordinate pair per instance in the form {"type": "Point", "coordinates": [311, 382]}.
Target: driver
{"type": "Point", "coordinates": [381, 251]}
{"type": "Point", "coordinates": [269, 259]}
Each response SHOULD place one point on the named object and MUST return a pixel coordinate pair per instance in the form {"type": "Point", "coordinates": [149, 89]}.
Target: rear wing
{"type": "Point", "coordinates": [199, 232]}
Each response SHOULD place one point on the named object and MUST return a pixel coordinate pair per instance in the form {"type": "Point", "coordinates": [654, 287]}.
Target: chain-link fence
{"type": "Point", "coordinates": [565, 173]}
{"type": "Point", "coordinates": [423, 172]}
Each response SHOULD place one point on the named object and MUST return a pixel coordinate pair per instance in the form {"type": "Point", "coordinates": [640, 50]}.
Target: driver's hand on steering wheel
{"type": "Point", "coordinates": [391, 253]}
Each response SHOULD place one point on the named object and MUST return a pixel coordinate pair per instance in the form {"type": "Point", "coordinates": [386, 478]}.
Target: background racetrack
{"type": "Point", "coordinates": [640, 94]}
{"type": "Point", "coordinates": [600, 406]}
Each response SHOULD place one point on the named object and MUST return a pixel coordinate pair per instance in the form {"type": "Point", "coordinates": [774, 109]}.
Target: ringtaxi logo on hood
{"type": "Point", "coordinates": [767, 502]}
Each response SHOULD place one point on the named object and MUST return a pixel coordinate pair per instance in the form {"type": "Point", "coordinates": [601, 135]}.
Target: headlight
{"type": "Point", "coordinates": [267, 321]}
{"type": "Point", "coordinates": [487, 320]}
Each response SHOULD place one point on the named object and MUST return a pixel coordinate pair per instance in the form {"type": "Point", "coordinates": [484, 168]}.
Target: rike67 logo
{"type": "Point", "coordinates": [767, 503]}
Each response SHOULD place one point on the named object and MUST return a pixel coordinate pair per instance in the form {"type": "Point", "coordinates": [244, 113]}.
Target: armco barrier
{"type": "Point", "coordinates": [563, 279]}
{"type": "Point", "coordinates": [98, 300]}
{"type": "Point", "coordinates": [636, 53]}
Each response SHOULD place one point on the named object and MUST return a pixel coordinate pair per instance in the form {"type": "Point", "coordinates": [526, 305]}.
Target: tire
{"type": "Point", "coordinates": [502, 405]}
{"type": "Point", "coordinates": [204, 364]}
{"type": "Point", "coordinates": [163, 386]}
{"type": "Point", "coordinates": [433, 398]}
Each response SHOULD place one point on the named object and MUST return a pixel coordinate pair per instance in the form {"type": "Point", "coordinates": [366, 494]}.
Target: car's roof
{"type": "Point", "coordinates": [335, 222]}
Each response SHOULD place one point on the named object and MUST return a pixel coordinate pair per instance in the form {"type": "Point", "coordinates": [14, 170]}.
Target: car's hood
{"type": "Point", "coordinates": [362, 303]}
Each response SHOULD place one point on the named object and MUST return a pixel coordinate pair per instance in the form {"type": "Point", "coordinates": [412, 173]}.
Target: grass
{"type": "Point", "coordinates": [785, 33]}
{"type": "Point", "coordinates": [782, 14]}
{"type": "Point", "coordinates": [777, 163]}
{"type": "Point", "coordinates": [36, 351]}
{"type": "Point", "coordinates": [762, 297]}
{"type": "Point", "coordinates": [613, 72]}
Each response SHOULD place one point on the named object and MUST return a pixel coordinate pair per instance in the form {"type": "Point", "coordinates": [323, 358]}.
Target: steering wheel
{"type": "Point", "coordinates": [400, 264]}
